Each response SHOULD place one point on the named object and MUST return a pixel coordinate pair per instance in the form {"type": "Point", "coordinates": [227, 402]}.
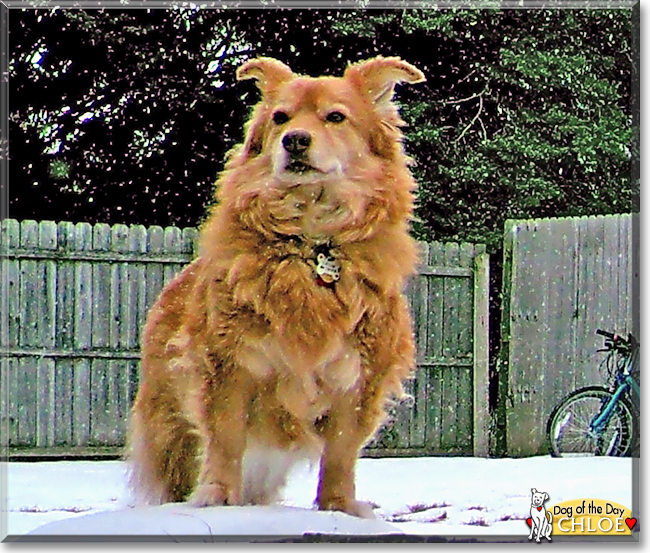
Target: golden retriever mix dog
{"type": "Point", "coordinates": [287, 336]}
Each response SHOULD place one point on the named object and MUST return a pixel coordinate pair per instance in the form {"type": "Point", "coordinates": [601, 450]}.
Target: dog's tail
{"type": "Point", "coordinates": [162, 458]}
{"type": "Point", "coordinates": [550, 517]}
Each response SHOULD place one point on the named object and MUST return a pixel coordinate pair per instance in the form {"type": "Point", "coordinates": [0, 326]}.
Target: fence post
{"type": "Point", "coordinates": [481, 355]}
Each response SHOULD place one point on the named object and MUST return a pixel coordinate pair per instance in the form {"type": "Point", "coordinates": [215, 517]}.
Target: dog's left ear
{"type": "Point", "coordinates": [377, 77]}
{"type": "Point", "coordinates": [268, 72]}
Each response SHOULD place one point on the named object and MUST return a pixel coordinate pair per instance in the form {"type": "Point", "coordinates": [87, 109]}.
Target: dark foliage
{"type": "Point", "coordinates": [125, 116]}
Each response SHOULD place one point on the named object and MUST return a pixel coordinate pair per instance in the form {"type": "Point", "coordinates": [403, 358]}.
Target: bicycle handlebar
{"type": "Point", "coordinates": [606, 334]}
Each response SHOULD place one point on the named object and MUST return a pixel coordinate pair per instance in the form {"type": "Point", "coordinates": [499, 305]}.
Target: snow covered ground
{"type": "Point", "coordinates": [424, 496]}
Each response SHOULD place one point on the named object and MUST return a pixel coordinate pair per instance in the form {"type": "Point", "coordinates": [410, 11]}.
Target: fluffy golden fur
{"type": "Point", "coordinates": [250, 362]}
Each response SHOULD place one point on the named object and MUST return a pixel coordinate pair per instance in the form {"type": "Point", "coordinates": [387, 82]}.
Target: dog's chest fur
{"type": "Point", "coordinates": [303, 387]}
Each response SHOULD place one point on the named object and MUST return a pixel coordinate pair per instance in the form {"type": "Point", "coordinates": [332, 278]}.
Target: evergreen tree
{"type": "Point", "coordinates": [125, 116]}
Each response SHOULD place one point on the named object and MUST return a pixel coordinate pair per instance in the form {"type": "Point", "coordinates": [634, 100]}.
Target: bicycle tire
{"type": "Point", "coordinates": [568, 428]}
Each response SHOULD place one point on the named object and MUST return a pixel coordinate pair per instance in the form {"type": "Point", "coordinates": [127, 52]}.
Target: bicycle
{"type": "Point", "coordinates": [596, 420]}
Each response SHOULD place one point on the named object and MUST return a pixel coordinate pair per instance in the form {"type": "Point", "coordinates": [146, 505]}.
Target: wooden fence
{"type": "Point", "coordinates": [73, 299]}
{"type": "Point", "coordinates": [563, 279]}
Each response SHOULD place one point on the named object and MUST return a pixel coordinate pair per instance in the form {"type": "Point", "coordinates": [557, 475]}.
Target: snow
{"type": "Point", "coordinates": [445, 496]}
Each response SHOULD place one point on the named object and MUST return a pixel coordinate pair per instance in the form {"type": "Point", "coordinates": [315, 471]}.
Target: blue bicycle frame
{"type": "Point", "coordinates": [625, 384]}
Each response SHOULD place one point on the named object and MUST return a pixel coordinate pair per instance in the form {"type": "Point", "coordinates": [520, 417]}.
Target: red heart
{"type": "Point", "coordinates": [630, 522]}
{"type": "Point", "coordinates": [539, 508]}
{"type": "Point", "coordinates": [529, 521]}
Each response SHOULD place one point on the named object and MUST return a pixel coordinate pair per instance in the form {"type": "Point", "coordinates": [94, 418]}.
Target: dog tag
{"type": "Point", "coordinates": [328, 269]}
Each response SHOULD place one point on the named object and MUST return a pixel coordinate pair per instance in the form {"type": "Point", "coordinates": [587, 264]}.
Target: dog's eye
{"type": "Point", "coordinates": [280, 118]}
{"type": "Point", "coordinates": [335, 117]}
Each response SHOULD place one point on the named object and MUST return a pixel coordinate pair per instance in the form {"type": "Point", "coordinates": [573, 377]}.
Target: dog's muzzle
{"type": "Point", "coordinates": [296, 144]}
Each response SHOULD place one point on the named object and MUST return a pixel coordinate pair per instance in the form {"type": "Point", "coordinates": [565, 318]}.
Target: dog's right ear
{"type": "Point", "coordinates": [268, 72]}
{"type": "Point", "coordinates": [533, 490]}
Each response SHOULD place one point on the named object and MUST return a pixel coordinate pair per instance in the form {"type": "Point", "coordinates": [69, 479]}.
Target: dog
{"type": "Point", "coordinates": [541, 519]}
{"type": "Point", "coordinates": [288, 335]}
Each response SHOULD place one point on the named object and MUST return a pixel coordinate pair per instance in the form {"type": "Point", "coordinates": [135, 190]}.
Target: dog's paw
{"type": "Point", "coordinates": [208, 495]}
{"type": "Point", "coordinates": [361, 509]}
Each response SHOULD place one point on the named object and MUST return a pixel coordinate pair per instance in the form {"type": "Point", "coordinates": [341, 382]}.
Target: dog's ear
{"type": "Point", "coordinates": [533, 490]}
{"type": "Point", "coordinates": [377, 77]}
{"type": "Point", "coordinates": [545, 496]}
{"type": "Point", "coordinates": [268, 73]}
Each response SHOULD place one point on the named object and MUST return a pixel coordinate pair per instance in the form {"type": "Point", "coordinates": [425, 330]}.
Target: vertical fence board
{"type": "Point", "coordinates": [137, 286]}
{"type": "Point", "coordinates": [45, 414]}
{"type": "Point", "coordinates": [403, 415]}
{"type": "Point", "coordinates": [154, 275]}
{"type": "Point", "coordinates": [465, 416]}
{"type": "Point", "coordinates": [419, 421]}
{"type": "Point", "coordinates": [10, 312]}
{"type": "Point", "coordinates": [419, 288]}
{"type": "Point", "coordinates": [173, 244]}
{"type": "Point", "coordinates": [65, 294]}
{"type": "Point", "coordinates": [64, 402]}
{"type": "Point", "coordinates": [433, 409]}
{"type": "Point", "coordinates": [434, 303]}
{"type": "Point", "coordinates": [9, 329]}
{"type": "Point", "coordinates": [83, 289]}
{"type": "Point", "coordinates": [47, 240]}
{"type": "Point", "coordinates": [28, 285]}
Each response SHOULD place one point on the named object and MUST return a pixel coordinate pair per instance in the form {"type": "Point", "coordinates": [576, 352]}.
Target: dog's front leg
{"type": "Point", "coordinates": [532, 528]}
{"type": "Point", "coordinates": [222, 425]}
{"type": "Point", "coordinates": [344, 437]}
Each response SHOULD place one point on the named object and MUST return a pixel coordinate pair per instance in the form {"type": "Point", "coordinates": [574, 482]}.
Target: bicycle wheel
{"type": "Point", "coordinates": [570, 433]}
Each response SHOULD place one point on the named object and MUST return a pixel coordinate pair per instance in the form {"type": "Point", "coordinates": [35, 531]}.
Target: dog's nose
{"type": "Point", "coordinates": [296, 142]}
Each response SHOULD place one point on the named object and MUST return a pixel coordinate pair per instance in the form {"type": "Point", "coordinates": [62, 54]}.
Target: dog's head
{"type": "Point", "coordinates": [321, 156]}
{"type": "Point", "coordinates": [314, 128]}
{"type": "Point", "coordinates": [538, 498]}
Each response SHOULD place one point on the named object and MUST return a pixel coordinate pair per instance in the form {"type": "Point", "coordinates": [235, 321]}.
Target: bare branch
{"type": "Point", "coordinates": [471, 123]}
{"type": "Point", "coordinates": [472, 97]}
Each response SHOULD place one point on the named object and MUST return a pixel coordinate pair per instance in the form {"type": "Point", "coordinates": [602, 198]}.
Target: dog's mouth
{"type": "Point", "coordinates": [300, 167]}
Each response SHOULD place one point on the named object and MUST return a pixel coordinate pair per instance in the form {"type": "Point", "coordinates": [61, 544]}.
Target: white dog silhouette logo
{"type": "Point", "coordinates": [541, 520]}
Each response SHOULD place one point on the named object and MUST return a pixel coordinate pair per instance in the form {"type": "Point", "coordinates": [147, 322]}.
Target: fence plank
{"type": "Point", "coordinates": [63, 403]}
{"type": "Point", "coordinates": [434, 409]}
{"type": "Point", "coordinates": [9, 326]}
{"type": "Point", "coordinates": [154, 272]}
{"type": "Point", "coordinates": [173, 244]}
{"type": "Point", "coordinates": [419, 420]}
{"type": "Point", "coordinates": [10, 311]}
{"type": "Point", "coordinates": [65, 296]}
{"type": "Point", "coordinates": [47, 240]}
{"type": "Point", "coordinates": [419, 288]}
{"type": "Point", "coordinates": [435, 305]}
{"type": "Point", "coordinates": [83, 290]}
{"type": "Point", "coordinates": [137, 286]}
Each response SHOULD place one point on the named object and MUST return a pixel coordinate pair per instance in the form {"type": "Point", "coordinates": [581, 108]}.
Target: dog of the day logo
{"type": "Point", "coordinates": [578, 517]}
{"type": "Point", "coordinates": [593, 517]}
